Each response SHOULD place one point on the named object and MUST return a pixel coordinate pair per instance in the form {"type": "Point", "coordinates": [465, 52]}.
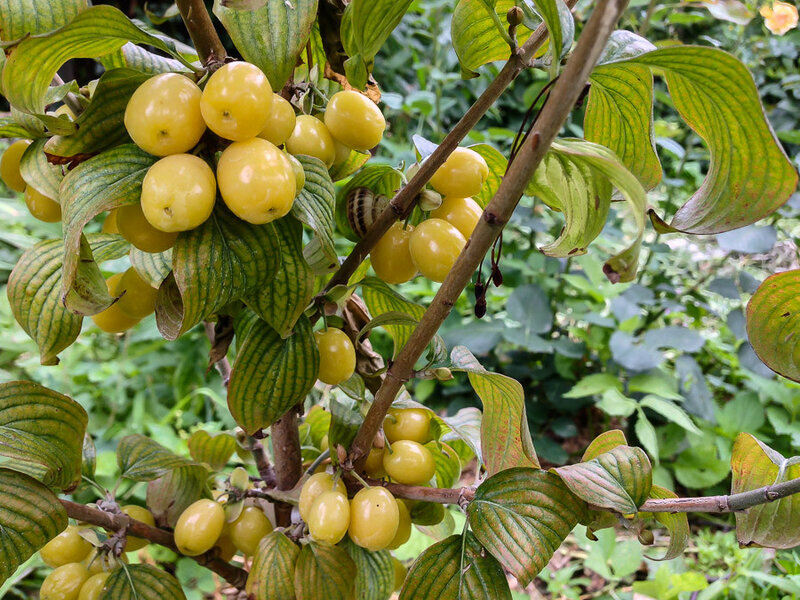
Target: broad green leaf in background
{"type": "Point", "coordinates": [141, 582]}
{"type": "Point", "coordinates": [30, 516]}
{"type": "Point", "coordinates": [270, 374]}
{"type": "Point", "coordinates": [497, 164]}
{"type": "Point", "coordinates": [345, 421]}
{"type": "Point", "coordinates": [382, 299]}
{"type": "Point", "coordinates": [374, 572]}
{"type": "Point", "coordinates": [319, 422]}
{"type": "Point", "coordinates": [154, 268]}
{"type": "Point", "coordinates": [141, 459]}
{"type": "Point", "coordinates": [172, 493]}
{"type": "Point", "coordinates": [755, 465]}
{"type": "Point", "coordinates": [448, 464]}
{"type": "Point", "coordinates": [521, 516]}
{"type": "Point", "coordinates": [773, 321]}
{"type": "Point", "coordinates": [214, 450]}
{"type": "Point", "coordinates": [456, 568]}
{"type": "Point", "coordinates": [505, 438]}
{"type": "Point", "coordinates": [324, 572]}
{"type": "Point", "coordinates": [676, 523]}
{"type": "Point", "coordinates": [19, 18]}
{"type": "Point", "coordinates": [38, 173]}
{"type": "Point", "coordinates": [314, 207]}
{"type": "Point", "coordinates": [272, 574]}
{"type": "Point", "coordinates": [271, 37]}
{"type": "Point", "coordinates": [381, 179]}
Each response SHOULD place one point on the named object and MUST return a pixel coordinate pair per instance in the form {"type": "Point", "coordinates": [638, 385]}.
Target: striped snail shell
{"type": "Point", "coordinates": [363, 208]}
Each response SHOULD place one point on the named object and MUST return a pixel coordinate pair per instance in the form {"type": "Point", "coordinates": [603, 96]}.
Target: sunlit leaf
{"type": "Point", "coordinates": [324, 572]}
{"type": "Point", "coordinates": [272, 574]}
{"type": "Point", "coordinates": [141, 582]}
{"type": "Point", "coordinates": [214, 450]}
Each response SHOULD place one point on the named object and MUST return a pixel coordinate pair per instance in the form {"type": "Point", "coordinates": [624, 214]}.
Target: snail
{"type": "Point", "coordinates": [363, 208]}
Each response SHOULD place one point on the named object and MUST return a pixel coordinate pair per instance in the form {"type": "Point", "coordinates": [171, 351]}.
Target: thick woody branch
{"type": "Point", "coordinates": [562, 99]}
{"type": "Point", "coordinates": [288, 461]}
{"type": "Point", "coordinates": [234, 575]}
{"type": "Point", "coordinates": [201, 30]}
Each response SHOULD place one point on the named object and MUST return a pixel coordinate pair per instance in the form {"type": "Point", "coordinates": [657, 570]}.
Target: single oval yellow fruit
{"type": "Point", "coordinates": [409, 462]}
{"type": "Point", "coordinates": [248, 529]}
{"type": "Point", "coordinates": [373, 465]}
{"type": "Point", "coordinates": [299, 172]}
{"type": "Point", "coordinates": [313, 487]}
{"type": "Point", "coordinates": [135, 228]}
{"type": "Point", "coordinates": [462, 213]}
{"type": "Point", "coordinates": [67, 547]}
{"type": "Point", "coordinates": [110, 223]}
{"type": "Point", "coordinates": [435, 245]}
{"type": "Point", "coordinates": [178, 193]}
{"type": "Point", "coordinates": [312, 138]}
{"type": "Point", "coordinates": [462, 175]}
{"type": "Point", "coordinates": [391, 256]}
{"type": "Point", "coordinates": [9, 165]}
{"type": "Point", "coordinates": [64, 583]}
{"type": "Point", "coordinates": [329, 517]}
{"type": "Point", "coordinates": [256, 181]}
{"type": "Point", "coordinates": [163, 115]}
{"type": "Point", "coordinates": [374, 518]}
{"type": "Point", "coordinates": [93, 587]}
{"type": "Point", "coordinates": [408, 424]}
{"type": "Point", "coordinates": [337, 356]}
{"type": "Point", "coordinates": [199, 527]}
{"type": "Point", "coordinates": [138, 513]}
{"type": "Point", "coordinates": [403, 526]}
{"type": "Point", "coordinates": [139, 299]}
{"type": "Point", "coordinates": [224, 547]}
{"type": "Point", "coordinates": [354, 120]}
{"type": "Point", "coordinates": [40, 206]}
{"type": "Point", "coordinates": [113, 319]}
{"type": "Point", "coordinates": [236, 101]}
{"type": "Point", "coordinates": [280, 121]}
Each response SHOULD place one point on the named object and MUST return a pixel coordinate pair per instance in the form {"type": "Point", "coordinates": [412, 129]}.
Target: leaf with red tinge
{"type": "Point", "coordinates": [606, 441]}
{"type": "Point", "coordinates": [324, 572]}
{"type": "Point", "coordinates": [676, 523]}
{"type": "Point", "coordinates": [272, 573]}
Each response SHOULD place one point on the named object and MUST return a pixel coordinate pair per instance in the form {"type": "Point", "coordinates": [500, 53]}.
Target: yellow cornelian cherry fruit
{"type": "Point", "coordinates": [135, 228]}
{"type": "Point", "coordinates": [280, 121]}
{"type": "Point", "coordinates": [40, 206]}
{"type": "Point", "coordinates": [313, 487]}
{"type": "Point", "coordinates": [312, 138]}
{"type": "Point", "coordinates": [248, 529]}
{"type": "Point", "coordinates": [178, 193]}
{"type": "Point", "coordinates": [225, 547]}
{"type": "Point", "coordinates": [67, 547]}
{"type": "Point", "coordinates": [400, 572]}
{"type": "Point", "coordinates": [64, 582]}
{"type": "Point", "coordinates": [374, 517]}
{"type": "Point", "coordinates": [9, 165]}
{"type": "Point", "coordinates": [403, 526]}
{"type": "Point", "coordinates": [104, 562]}
{"type": "Point", "coordinates": [256, 180]}
{"type": "Point", "coordinates": [113, 319]}
{"type": "Point", "coordinates": [435, 245]}
{"type": "Point", "coordinates": [342, 152]}
{"type": "Point", "coordinates": [299, 172]}
{"type": "Point", "coordinates": [462, 213]}
{"type": "Point", "coordinates": [462, 175]}
{"type": "Point", "coordinates": [138, 513]}
{"type": "Point", "coordinates": [236, 101]}
{"type": "Point", "coordinates": [93, 587]}
{"type": "Point", "coordinates": [337, 356]}
{"type": "Point", "coordinates": [329, 517]}
{"type": "Point", "coordinates": [373, 465]}
{"type": "Point", "coordinates": [391, 256]}
{"type": "Point", "coordinates": [139, 299]}
{"type": "Point", "coordinates": [409, 462]}
{"type": "Point", "coordinates": [408, 424]}
{"type": "Point", "coordinates": [110, 223]}
{"type": "Point", "coordinates": [199, 527]}
{"type": "Point", "coordinates": [354, 120]}
{"type": "Point", "coordinates": [163, 115]}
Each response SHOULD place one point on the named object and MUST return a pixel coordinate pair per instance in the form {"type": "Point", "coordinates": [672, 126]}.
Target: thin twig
{"type": "Point", "coordinates": [201, 30]}
{"type": "Point", "coordinates": [69, 99]}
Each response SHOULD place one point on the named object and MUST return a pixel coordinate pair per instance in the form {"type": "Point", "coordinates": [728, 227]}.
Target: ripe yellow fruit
{"type": "Point", "coordinates": [373, 465]}
{"type": "Point", "coordinates": [299, 172]}
{"type": "Point", "coordinates": [224, 546]}
{"type": "Point", "coordinates": [312, 138]}
{"type": "Point", "coordinates": [9, 165]}
{"type": "Point", "coordinates": [178, 193]}
{"type": "Point", "coordinates": [462, 175]}
{"type": "Point", "coordinates": [139, 299]}
{"type": "Point", "coordinates": [140, 514]}
{"type": "Point", "coordinates": [354, 120]}
{"type": "Point", "coordinates": [408, 424]}
{"type": "Point", "coordinates": [256, 180]}
{"type": "Point", "coordinates": [337, 356]}
{"type": "Point", "coordinates": [329, 517]}
{"type": "Point", "coordinates": [403, 526]}
{"type": "Point", "coordinates": [67, 547]}
{"type": "Point", "coordinates": [199, 527]}
{"type": "Point", "coordinates": [391, 256]}
{"type": "Point", "coordinates": [435, 245]}
{"type": "Point", "coordinates": [342, 152]}
{"type": "Point", "coordinates": [280, 121]}
{"type": "Point", "coordinates": [400, 572]}
{"type": "Point", "coordinates": [409, 463]}
{"type": "Point", "coordinates": [163, 115]}
{"type": "Point", "coordinates": [113, 319]}
{"type": "Point", "coordinates": [236, 101]}
{"type": "Point", "coordinates": [64, 583]}
{"type": "Point", "coordinates": [135, 228]}
{"type": "Point", "coordinates": [313, 487]}
{"type": "Point", "coordinates": [110, 223]}
{"type": "Point", "coordinates": [40, 206]}
{"type": "Point", "coordinates": [374, 518]}
{"type": "Point", "coordinates": [462, 213]}
{"type": "Point", "coordinates": [248, 530]}
{"type": "Point", "coordinates": [93, 587]}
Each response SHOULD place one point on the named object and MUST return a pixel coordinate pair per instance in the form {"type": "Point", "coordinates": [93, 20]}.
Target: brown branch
{"type": "Point", "coordinates": [234, 575]}
{"type": "Point", "coordinates": [265, 470]}
{"type": "Point", "coordinates": [288, 461]}
{"type": "Point", "coordinates": [69, 99]}
{"type": "Point", "coordinates": [563, 97]}
{"type": "Point", "coordinates": [201, 30]}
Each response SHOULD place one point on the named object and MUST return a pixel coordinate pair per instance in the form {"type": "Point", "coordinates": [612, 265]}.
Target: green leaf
{"type": "Point", "coordinates": [41, 433]}
{"type": "Point", "coordinates": [464, 427]}
{"type": "Point", "coordinates": [141, 459]}
{"type": "Point", "coordinates": [382, 299]}
{"type": "Point", "coordinates": [324, 572]}
{"type": "Point", "coordinates": [173, 492]}
{"type": "Point", "coordinates": [270, 374]}
{"type": "Point", "coordinates": [755, 465]}
{"type": "Point", "coordinates": [272, 573]}
{"type": "Point", "coordinates": [314, 207]}
{"type": "Point", "coordinates": [676, 523]}
{"type": "Point", "coordinates": [647, 434]}
{"type": "Point", "coordinates": [20, 18]}
{"type": "Point", "coordinates": [319, 422]}
{"type": "Point", "coordinates": [222, 260]}
{"type": "Point", "coordinates": [437, 351]}
{"type": "Point", "coordinates": [670, 412]}
{"type": "Point", "coordinates": [521, 516]}
{"type": "Point", "coordinates": [497, 164]}
{"type": "Point", "coordinates": [141, 582]}
{"type": "Point", "coordinates": [345, 420]}
{"type": "Point", "coordinates": [88, 456]}
{"type": "Point", "coordinates": [773, 321]}
{"type": "Point", "coordinates": [593, 385]}
{"type": "Point", "coordinates": [38, 173]}
{"type": "Point", "coordinates": [30, 516]}
{"type": "Point", "coordinates": [10, 127]}
{"type": "Point", "coordinates": [448, 464]}
{"type": "Point", "coordinates": [619, 480]}
{"type": "Point", "coordinates": [271, 37]}
{"type": "Point", "coordinates": [154, 268]}
{"type": "Point", "coordinates": [456, 568]}
{"type": "Point", "coordinates": [605, 442]}
{"type": "Point", "coordinates": [381, 179]}
{"type": "Point", "coordinates": [215, 450]}
{"type": "Point", "coordinates": [374, 572]}
{"type": "Point", "coordinates": [131, 56]}
{"type": "Point", "coordinates": [558, 19]}
{"type": "Point", "coordinates": [505, 438]}
{"type": "Point", "coordinates": [354, 162]}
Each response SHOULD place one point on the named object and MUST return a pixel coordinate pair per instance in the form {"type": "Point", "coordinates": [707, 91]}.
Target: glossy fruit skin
{"type": "Point", "coordinates": [135, 228]}
{"type": "Point", "coordinates": [374, 517]}
{"type": "Point", "coordinates": [373, 465]}
{"type": "Point", "coordinates": [391, 256]}
{"type": "Point", "coordinates": [64, 583]}
{"type": "Point", "coordinates": [199, 527]}
{"type": "Point", "coordinates": [9, 165]}
{"type": "Point", "coordinates": [342, 152]}
{"type": "Point", "coordinates": [178, 193]}
{"type": "Point", "coordinates": [225, 547]}
{"type": "Point", "coordinates": [93, 587]}
{"type": "Point", "coordinates": [408, 424]}
{"type": "Point", "coordinates": [329, 517]}
{"type": "Point", "coordinates": [256, 181]}
{"type": "Point", "coordinates": [139, 299]}
{"type": "Point", "coordinates": [280, 121]}
{"type": "Point", "coordinates": [110, 223]}
{"type": "Point", "coordinates": [462, 213]}
{"type": "Point", "coordinates": [163, 115]}
{"type": "Point", "coordinates": [299, 172]}
{"type": "Point", "coordinates": [113, 319]}
{"type": "Point", "coordinates": [435, 245]}
{"type": "Point", "coordinates": [313, 487]}
{"type": "Point", "coordinates": [462, 175]}
{"type": "Point", "coordinates": [337, 356]}
{"type": "Point", "coordinates": [140, 514]}
{"type": "Point", "coordinates": [409, 463]}
{"type": "Point", "coordinates": [40, 206]}
{"type": "Point", "coordinates": [248, 530]}
{"type": "Point", "coordinates": [67, 547]}
{"type": "Point", "coordinates": [236, 101]}
{"type": "Point", "coordinates": [312, 138]}
{"type": "Point", "coordinates": [400, 572]}
{"type": "Point", "coordinates": [403, 526]}
{"type": "Point", "coordinates": [354, 120]}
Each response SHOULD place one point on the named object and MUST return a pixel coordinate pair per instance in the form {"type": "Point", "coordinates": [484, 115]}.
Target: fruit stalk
{"type": "Point", "coordinates": [563, 97]}
{"type": "Point", "coordinates": [201, 30]}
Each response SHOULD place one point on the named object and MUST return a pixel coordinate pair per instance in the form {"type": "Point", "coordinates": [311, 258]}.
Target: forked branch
{"type": "Point", "coordinates": [205, 38]}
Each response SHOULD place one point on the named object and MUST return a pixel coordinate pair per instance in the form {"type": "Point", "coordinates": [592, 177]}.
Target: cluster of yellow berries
{"type": "Point", "coordinates": [40, 206]}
